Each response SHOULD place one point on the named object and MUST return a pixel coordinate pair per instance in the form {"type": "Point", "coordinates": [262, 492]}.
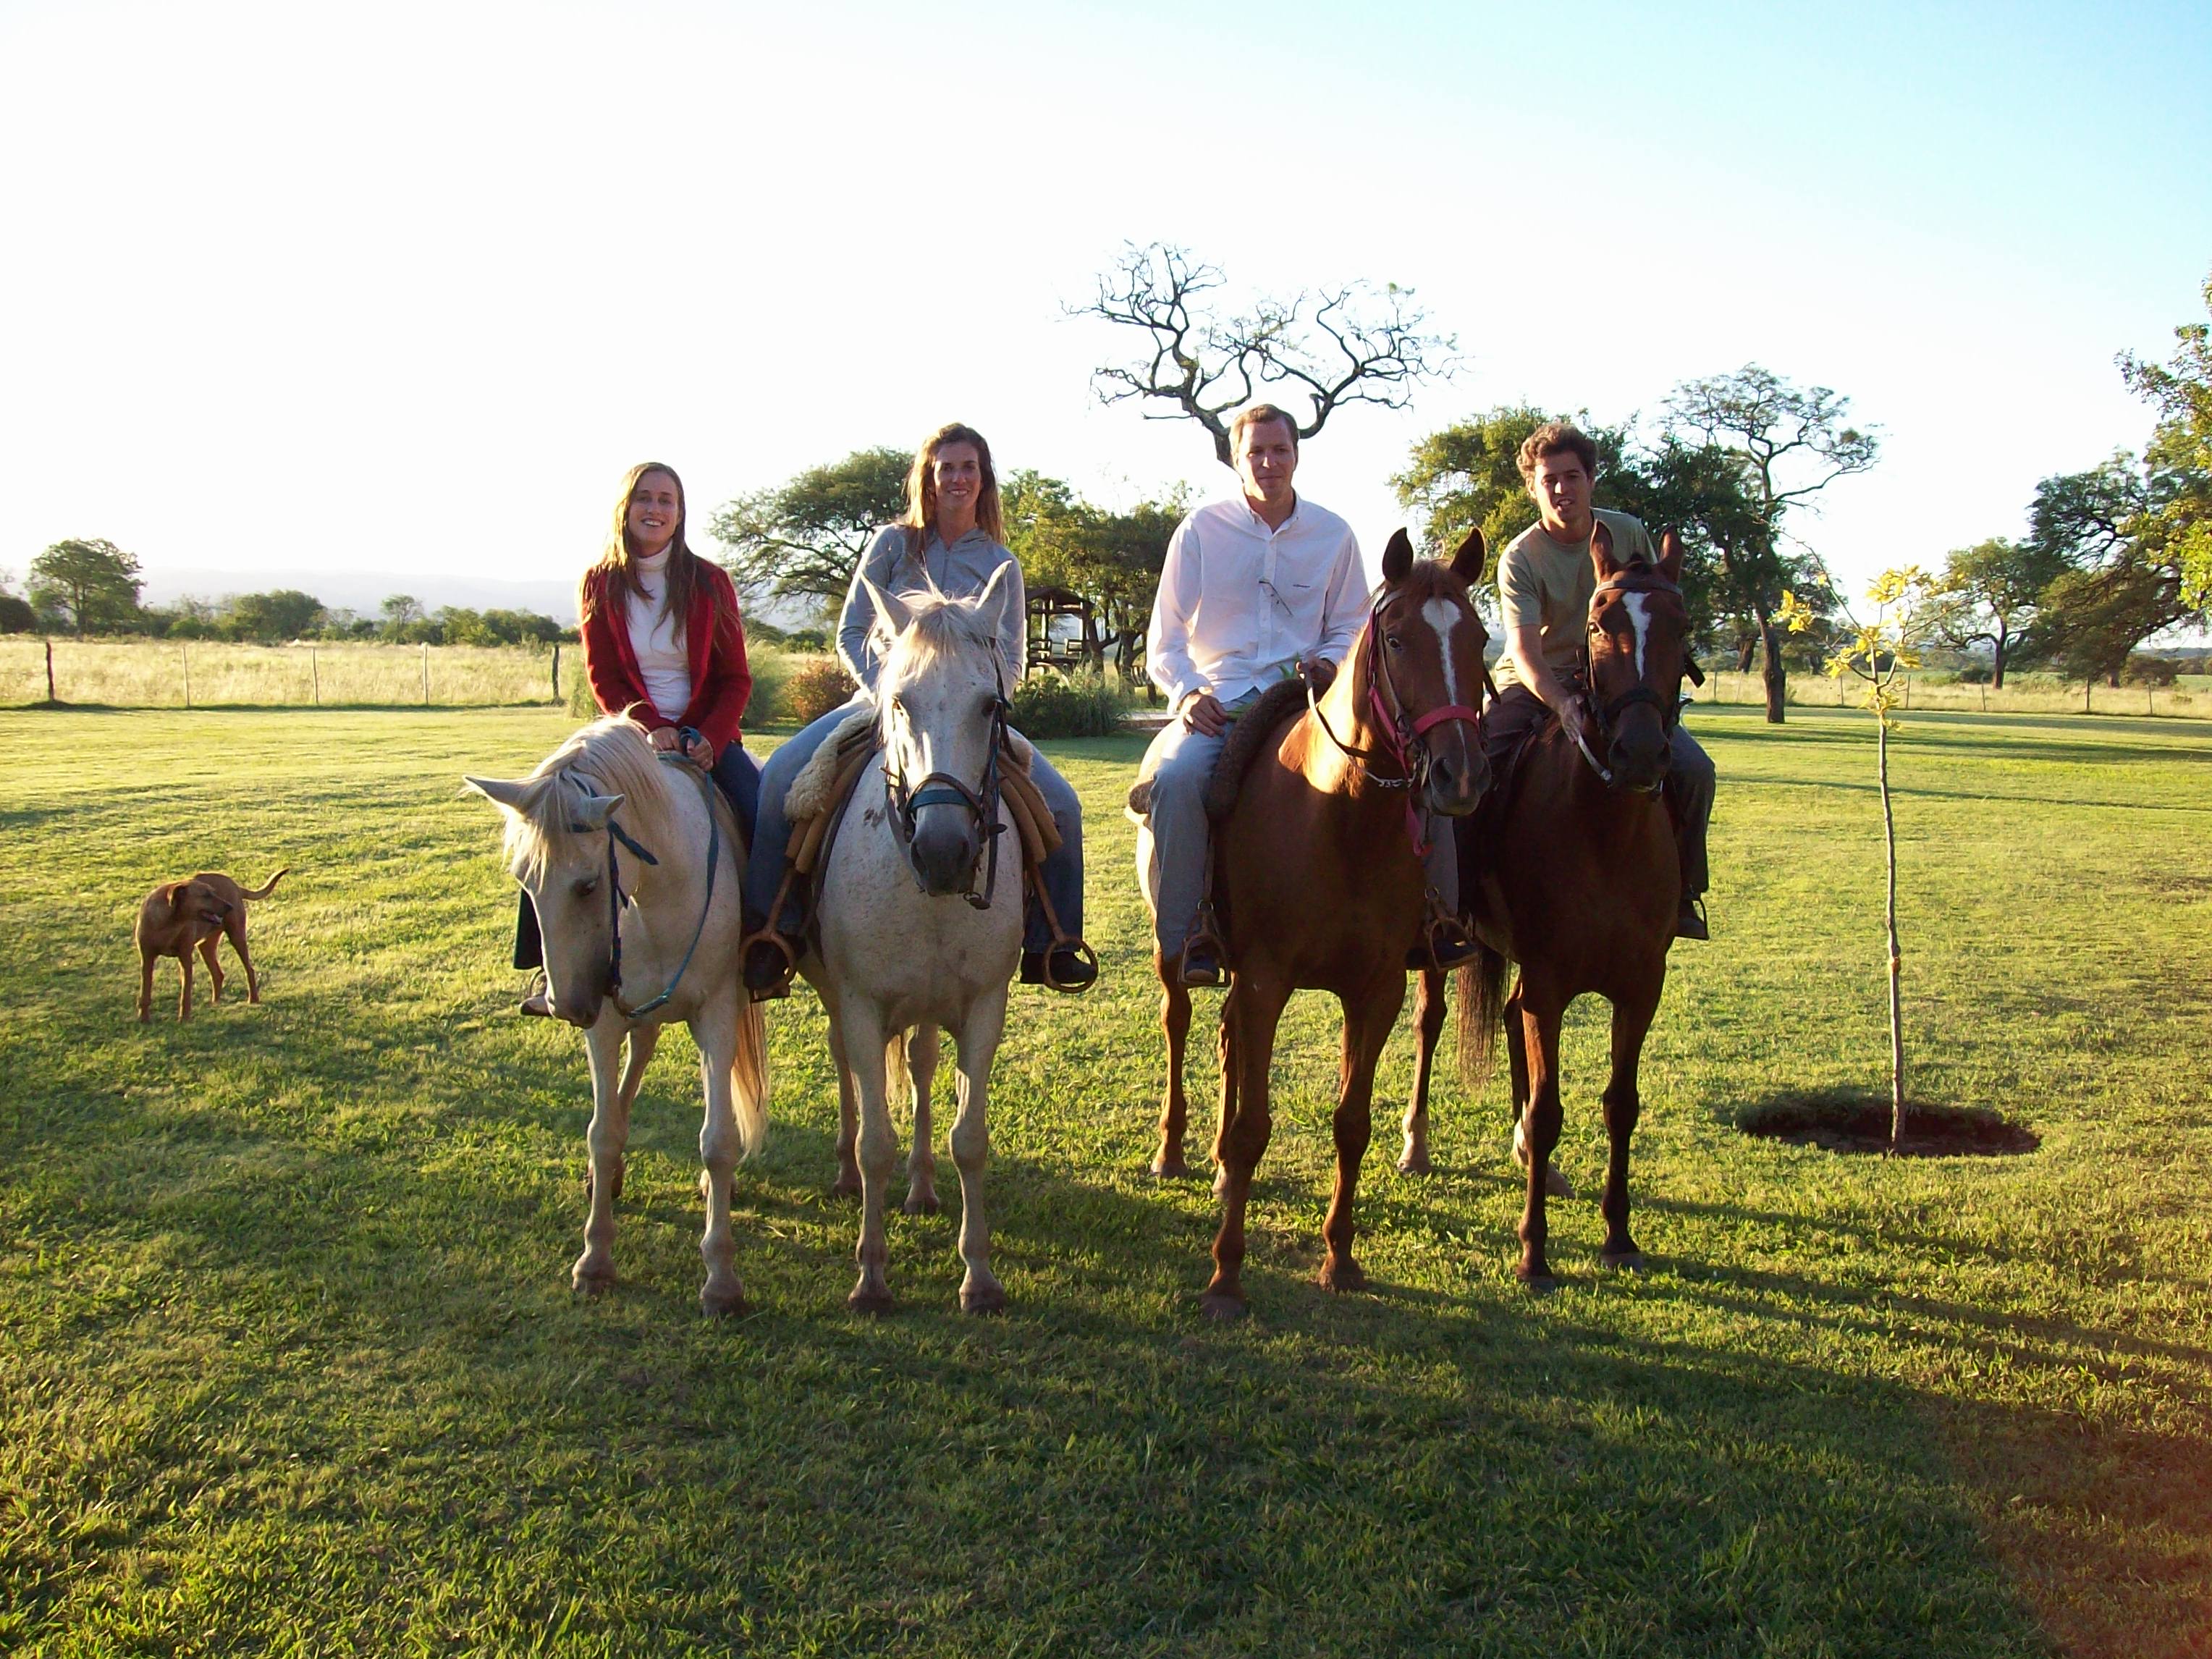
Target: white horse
{"type": "Point", "coordinates": [640, 928]}
{"type": "Point", "coordinates": [921, 920]}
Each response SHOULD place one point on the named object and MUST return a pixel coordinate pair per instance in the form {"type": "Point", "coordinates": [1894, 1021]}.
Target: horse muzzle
{"type": "Point", "coordinates": [1458, 777]}
{"type": "Point", "coordinates": [944, 851]}
{"type": "Point", "coordinates": [1638, 764]}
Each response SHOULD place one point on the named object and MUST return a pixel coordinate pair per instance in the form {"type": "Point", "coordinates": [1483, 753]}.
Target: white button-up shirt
{"type": "Point", "coordinates": [1239, 604]}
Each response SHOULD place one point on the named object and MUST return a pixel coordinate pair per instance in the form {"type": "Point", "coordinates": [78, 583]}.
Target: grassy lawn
{"type": "Point", "coordinates": [288, 1361]}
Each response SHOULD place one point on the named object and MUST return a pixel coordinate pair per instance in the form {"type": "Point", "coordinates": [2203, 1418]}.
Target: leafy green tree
{"type": "Point", "coordinates": [94, 583]}
{"type": "Point", "coordinates": [400, 609]}
{"type": "Point", "coordinates": [521, 627]}
{"type": "Point", "coordinates": [2178, 525]}
{"type": "Point", "coordinates": [1468, 475]}
{"type": "Point", "coordinates": [285, 614]}
{"type": "Point", "coordinates": [2121, 578]}
{"type": "Point", "coordinates": [17, 616]}
{"type": "Point", "coordinates": [1991, 593]}
{"type": "Point", "coordinates": [801, 540]}
{"type": "Point", "coordinates": [1790, 443]}
{"type": "Point", "coordinates": [1112, 559]}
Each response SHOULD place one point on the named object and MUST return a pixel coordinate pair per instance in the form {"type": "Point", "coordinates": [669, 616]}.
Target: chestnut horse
{"type": "Point", "coordinates": [1319, 883]}
{"type": "Point", "coordinates": [1577, 881]}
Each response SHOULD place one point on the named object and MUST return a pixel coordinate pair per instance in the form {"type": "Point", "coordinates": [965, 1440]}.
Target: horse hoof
{"type": "Point", "coordinates": [987, 1297]}
{"type": "Point", "coordinates": [1626, 1261]}
{"type": "Point", "coordinates": [1218, 1305]}
{"type": "Point", "coordinates": [870, 1299]}
{"type": "Point", "coordinates": [1171, 1169]}
{"type": "Point", "coordinates": [1556, 1185]}
{"type": "Point", "coordinates": [920, 1203]}
{"type": "Point", "coordinates": [1342, 1276]}
{"type": "Point", "coordinates": [846, 1185]}
{"type": "Point", "coordinates": [724, 1304]}
{"type": "Point", "coordinates": [592, 1280]}
{"type": "Point", "coordinates": [1539, 1283]}
{"type": "Point", "coordinates": [1413, 1163]}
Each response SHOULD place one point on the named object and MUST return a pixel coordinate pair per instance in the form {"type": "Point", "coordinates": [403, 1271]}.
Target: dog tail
{"type": "Point", "coordinates": [749, 1081]}
{"type": "Point", "coordinates": [268, 886]}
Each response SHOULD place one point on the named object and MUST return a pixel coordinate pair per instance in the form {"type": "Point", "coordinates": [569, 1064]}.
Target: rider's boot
{"type": "Point", "coordinates": [1691, 924]}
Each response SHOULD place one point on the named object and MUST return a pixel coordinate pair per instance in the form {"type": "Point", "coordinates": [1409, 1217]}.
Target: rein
{"type": "Point", "coordinates": [1401, 738]}
{"type": "Point", "coordinates": [616, 898]}
{"type": "Point", "coordinates": [942, 789]}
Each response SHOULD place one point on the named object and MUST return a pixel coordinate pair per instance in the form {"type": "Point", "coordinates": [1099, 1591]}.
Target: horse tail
{"type": "Point", "coordinates": [898, 1077]}
{"type": "Point", "coordinates": [1481, 1012]}
{"type": "Point", "coordinates": [268, 886]}
{"type": "Point", "coordinates": [749, 1081]}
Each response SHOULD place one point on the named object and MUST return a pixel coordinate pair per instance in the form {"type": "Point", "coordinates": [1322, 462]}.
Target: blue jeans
{"type": "Point", "coordinates": [771, 843]}
{"type": "Point", "coordinates": [736, 773]}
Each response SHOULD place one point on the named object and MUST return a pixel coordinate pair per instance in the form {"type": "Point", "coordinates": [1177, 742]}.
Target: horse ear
{"type": "Point", "coordinates": [1670, 556]}
{"type": "Point", "coordinates": [997, 594]}
{"type": "Point", "coordinates": [499, 792]}
{"type": "Point", "coordinates": [891, 611]}
{"type": "Point", "coordinates": [594, 810]}
{"type": "Point", "coordinates": [1466, 563]}
{"type": "Point", "coordinates": [1602, 553]}
{"type": "Point", "coordinates": [1397, 558]}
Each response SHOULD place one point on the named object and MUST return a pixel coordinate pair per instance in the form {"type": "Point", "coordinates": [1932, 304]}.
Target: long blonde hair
{"type": "Point", "coordinates": [921, 489]}
{"type": "Point", "coordinates": [686, 570]}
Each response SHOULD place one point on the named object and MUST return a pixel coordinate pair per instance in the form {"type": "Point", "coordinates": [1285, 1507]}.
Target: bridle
{"type": "Point", "coordinates": [1402, 742]}
{"type": "Point", "coordinates": [616, 898]}
{"type": "Point", "coordinates": [942, 789]}
{"type": "Point", "coordinates": [1637, 579]}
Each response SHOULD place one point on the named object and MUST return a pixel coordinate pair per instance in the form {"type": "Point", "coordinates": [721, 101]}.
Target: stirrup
{"type": "Point", "coordinates": [1084, 956]}
{"type": "Point", "coordinates": [1445, 942]}
{"type": "Point", "coordinates": [778, 987]}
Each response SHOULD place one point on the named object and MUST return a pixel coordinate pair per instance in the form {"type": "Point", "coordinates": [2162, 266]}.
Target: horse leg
{"type": "Point", "coordinates": [1367, 1022]}
{"type": "Point", "coordinates": [1631, 1020]}
{"type": "Point", "coordinates": [980, 1290]}
{"type": "Point", "coordinates": [637, 1055]}
{"type": "Point", "coordinates": [1428, 1027]}
{"type": "Point", "coordinates": [1556, 1183]}
{"type": "Point", "coordinates": [715, 1031]}
{"type": "Point", "coordinates": [595, 1269]}
{"type": "Point", "coordinates": [921, 1054]}
{"type": "Point", "coordinates": [1249, 1016]}
{"type": "Point", "coordinates": [866, 1042]}
{"type": "Point", "coordinates": [214, 967]}
{"type": "Point", "coordinates": [1174, 1106]}
{"type": "Point", "coordinates": [1539, 1036]}
{"type": "Point", "coordinates": [847, 1184]}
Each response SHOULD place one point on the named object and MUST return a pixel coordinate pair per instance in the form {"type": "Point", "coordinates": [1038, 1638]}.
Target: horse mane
{"type": "Point", "coordinates": [938, 626]}
{"type": "Point", "coordinates": [617, 755]}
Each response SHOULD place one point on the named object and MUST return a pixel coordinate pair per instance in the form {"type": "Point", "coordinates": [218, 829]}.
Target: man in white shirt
{"type": "Point", "coordinates": [1252, 587]}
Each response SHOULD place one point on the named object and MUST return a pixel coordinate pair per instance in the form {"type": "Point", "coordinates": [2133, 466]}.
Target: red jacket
{"type": "Point", "coordinates": [721, 684]}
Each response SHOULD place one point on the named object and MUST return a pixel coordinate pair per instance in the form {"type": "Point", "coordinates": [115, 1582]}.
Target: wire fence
{"type": "Point", "coordinates": [2191, 698]}
{"type": "Point", "coordinates": [216, 674]}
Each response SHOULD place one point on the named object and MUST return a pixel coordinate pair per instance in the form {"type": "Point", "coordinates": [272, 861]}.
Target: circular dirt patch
{"type": "Point", "coordinates": [1848, 1123]}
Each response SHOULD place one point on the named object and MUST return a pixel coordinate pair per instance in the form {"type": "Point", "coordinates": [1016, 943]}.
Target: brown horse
{"type": "Point", "coordinates": [1577, 883]}
{"type": "Point", "coordinates": [1319, 883]}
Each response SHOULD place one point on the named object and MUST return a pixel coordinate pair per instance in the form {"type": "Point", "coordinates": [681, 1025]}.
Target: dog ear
{"type": "Point", "coordinates": [1467, 562]}
{"type": "Point", "coordinates": [171, 893]}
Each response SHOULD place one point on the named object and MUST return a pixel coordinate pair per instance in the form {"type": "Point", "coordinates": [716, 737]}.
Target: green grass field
{"type": "Point", "coordinates": [288, 1363]}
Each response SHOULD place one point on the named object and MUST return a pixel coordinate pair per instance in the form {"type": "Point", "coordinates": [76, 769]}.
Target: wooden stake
{"type": "Point", "coordinates": [426, 674]}
{"type": "Point", "coordinates": [185, 652]}
{"type": "Point", "coordinates": [51, 698]}
{"type": "Point", "coordinates": [556, 673]}
{"type": "Point", "coordinates": [315, 668]}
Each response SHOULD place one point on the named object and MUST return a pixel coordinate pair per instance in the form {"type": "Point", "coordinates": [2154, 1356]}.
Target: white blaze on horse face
{"type": "Point", "coordinates": [1639, 614]}
{"type": "Point", "coordinates": [1443, 615]}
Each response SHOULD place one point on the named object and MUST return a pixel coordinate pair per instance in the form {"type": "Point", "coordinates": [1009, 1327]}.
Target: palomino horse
{"type": "Point", "coordinates": [1319, 879]}
{"type": "Point", "coordinates": [1579, 885]}
{"type": "Point", "coordinates": [641, 918]}
{"type": "Point", "coordinates": [917, 925]}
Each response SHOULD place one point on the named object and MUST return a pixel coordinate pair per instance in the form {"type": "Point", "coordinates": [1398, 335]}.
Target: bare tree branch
{"type": "Point", "coordinates": [1344, 345]}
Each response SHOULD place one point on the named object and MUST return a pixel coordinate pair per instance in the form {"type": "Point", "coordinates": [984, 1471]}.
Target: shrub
{"type": "Point", "coordinates": [807, 640]}
{"type": "Point", "coordinates": [2145, 670]}
{"type": "Point", "coordinates": [1051, 705]}
{"type": "Point", "coordinates": [814, 688]}
{"type": "Point", "coordinates": [1974, 673]}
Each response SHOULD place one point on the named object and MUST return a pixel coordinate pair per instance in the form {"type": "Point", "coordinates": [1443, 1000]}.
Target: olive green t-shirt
{"type": "Point", "coordinates": [1549, 583]}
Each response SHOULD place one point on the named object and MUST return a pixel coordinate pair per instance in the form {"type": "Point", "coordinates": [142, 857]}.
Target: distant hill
{"type": "Point", "coordinates": [363, 591]}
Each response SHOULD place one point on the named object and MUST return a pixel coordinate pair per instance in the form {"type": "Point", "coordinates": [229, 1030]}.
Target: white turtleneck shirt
{"type": "Point", "coordinates": [662, 659]}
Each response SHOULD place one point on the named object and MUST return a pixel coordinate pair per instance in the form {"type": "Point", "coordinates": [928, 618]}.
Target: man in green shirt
{"type": "Point", "coordinates": [1545, 582]}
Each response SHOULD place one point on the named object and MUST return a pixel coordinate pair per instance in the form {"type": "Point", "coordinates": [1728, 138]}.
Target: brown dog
{"type": "Point", "coordinates": [180, 917]}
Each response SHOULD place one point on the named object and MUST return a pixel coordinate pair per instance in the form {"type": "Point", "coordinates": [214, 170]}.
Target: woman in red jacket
{"type": "Point", "coordinates": [663, 641]}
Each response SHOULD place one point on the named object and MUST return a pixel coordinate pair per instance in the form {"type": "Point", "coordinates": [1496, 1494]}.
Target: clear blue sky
{"type": "Point", "coordinates": [408, 286]}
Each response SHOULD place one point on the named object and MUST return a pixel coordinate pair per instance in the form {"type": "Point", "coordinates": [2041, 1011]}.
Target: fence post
{"type": "Point", "coordinates": [315, 668]}
{"type": "Point", "coordinates": [426, 674]}
{"type": "Point", "coordinates": [556, 673]}
{"type": "Point", "coordinates": [51, 698]}
{"type": "Point", "coordinates": [2086, 680]}
{"type": "Point", "coordinates": [185, 652]}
